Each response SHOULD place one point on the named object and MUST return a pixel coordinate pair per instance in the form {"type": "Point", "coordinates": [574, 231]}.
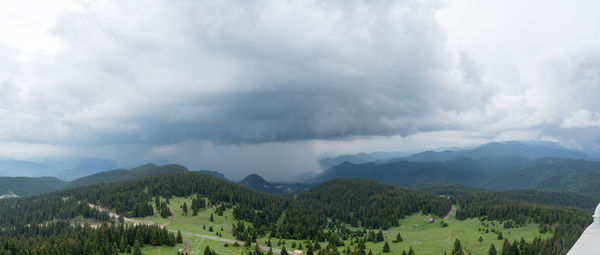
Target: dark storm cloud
{"type": "Point", "coordinates": [233, 72]}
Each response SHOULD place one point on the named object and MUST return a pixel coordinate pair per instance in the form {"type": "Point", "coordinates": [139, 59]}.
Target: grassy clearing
{"type": "Point", "coordinates": [425, 238]}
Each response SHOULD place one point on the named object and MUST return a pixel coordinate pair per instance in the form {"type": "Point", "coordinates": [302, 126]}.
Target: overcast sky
{"type": "Point", "coordinates": [268, 86]}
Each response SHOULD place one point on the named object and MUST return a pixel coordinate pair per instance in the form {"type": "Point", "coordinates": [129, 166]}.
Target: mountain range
{"type": "Point", "coordinates": [25, 186]}
{"type": "Point", "coordinates": [498, 166]}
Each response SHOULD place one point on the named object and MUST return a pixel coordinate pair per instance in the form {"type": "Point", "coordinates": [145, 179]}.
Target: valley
{"type": "Point", "coordinates": [401, 207]}
{"type": "Point", "coordinates": [423, 237]}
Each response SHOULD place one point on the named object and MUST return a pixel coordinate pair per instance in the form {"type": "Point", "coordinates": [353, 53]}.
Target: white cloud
{"type": "Point", "coordinates": [582, 119]}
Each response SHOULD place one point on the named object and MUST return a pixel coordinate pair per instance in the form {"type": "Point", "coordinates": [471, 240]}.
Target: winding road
{"type": "Point", "coordinates": [114, 214]}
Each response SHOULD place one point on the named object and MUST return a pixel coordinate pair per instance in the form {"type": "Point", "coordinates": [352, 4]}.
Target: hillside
{"type": "Point", "coordinates": [256, 182]}
{"type": "Point", "coordinates": [558, 198]}
{"type": "Point", "coordinates": [125, 175]}
{"type": "Point", "coordinates": [314, 214]}
{"type": "Point", "coordinates": [25, 186]}
{"type": "Point", "coordinates": [405, 173]}
{"type": "Point", "coordinates": [556, 174]}
{"type": "Point", "coordinates": [553, 174]}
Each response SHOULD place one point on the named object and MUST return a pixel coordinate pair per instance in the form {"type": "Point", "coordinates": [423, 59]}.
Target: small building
{"type": "Point", "coordinates": [431, 220]}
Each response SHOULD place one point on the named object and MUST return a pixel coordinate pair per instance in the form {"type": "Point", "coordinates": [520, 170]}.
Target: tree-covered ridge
{"type": "Point", "coordinates": [133, 198]}
{"type": "Point", "coordinates": [505, 173]}
{"type": "Point", "coordinates": [359, 202]}
{"type": "Point", "coordinates": [42, 208]}
{"type": "Point", "coordinates": [26, 186]}
{"type": "Point", "coordinates": [559, 198]}
{"type": "Point", "coordinates": [63, 238]}
{"type": "Point", "coordinates": [125, 174]}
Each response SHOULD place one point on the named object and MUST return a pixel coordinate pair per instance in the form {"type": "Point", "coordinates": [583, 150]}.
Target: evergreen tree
{"type": "Point", "coordinates": [480, 239]}
{"type": "Point", "coordinates": [179, 237]}
{"type": "Point", "coordinates": [458, 250]}
{"type": "Point", "coordinates": [257, 250]}
{"type": "Point", "coordinates": [386, 247]}
{"type": "Point", "coordinates": [379, 237]}
{"type": "Point", "coordinates": [507, 248]}
{"type": "Point", "coordinates": [410, 251]}
{"type": "Point", "coordinates": [492, 250]}
{"type": "Point", "coordinates": [283, 251]}
{"type": "Point", "coordinates": [185, 209]}
{"type": "Point", "coordinates": [500, 237]}
{"type": "Point", "coordinates": [207, 251]}
{"type": "Point", "coordinates": [399, 237]}
{"type": "Point", "coordinates": [136, 248]}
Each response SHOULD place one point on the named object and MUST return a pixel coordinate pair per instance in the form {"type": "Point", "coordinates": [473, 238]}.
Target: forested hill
{"type": "Point", "coordinates": [558, 198]}
{"type": "Point", "coordinates": [25, 186]}
{"type": "Point", "coordinates": [359, 202]}
{"type": "Point", "coordinates": [556, 174]}
{"type": "Point", "coordinates": [125, 175]}
{"type": "Point", "coordinates": [256, 182]}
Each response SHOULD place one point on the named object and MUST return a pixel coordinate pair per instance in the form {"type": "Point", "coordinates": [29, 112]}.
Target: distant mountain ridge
{"type": "Point", "coordinates": [554, 174]}
{"type": "Point", "coordinates": [125, 175]}
{"type": "Point", "coordinates": [493, 150]}
{"type": "Point", "coordinates": [498, 150]}
{"type": "Point", "coordinates": [25, 186]}
{"type": "Point", "coordinates": [358, 158]}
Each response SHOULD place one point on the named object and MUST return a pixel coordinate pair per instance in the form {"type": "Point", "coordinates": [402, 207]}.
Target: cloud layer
{"type": "Point", "coordinates": [180, 80]}
{"type": "Point", "coordinates": [233, 72]}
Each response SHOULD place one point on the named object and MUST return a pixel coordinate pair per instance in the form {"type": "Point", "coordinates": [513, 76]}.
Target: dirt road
{"type": "Point", "coordinates": [113, 214]}
{"type": "Point", "coordinates": [450, 212]}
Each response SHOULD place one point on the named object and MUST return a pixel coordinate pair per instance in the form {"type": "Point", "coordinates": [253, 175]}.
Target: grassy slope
{"type": "Point", "coordinates": [425, 238]}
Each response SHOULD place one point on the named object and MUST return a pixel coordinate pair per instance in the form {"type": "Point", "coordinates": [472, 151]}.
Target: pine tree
{"type": "Point", "coordinates": [386, 247]}
{"type": "Point", "coordinates": [212, 219]}
{"type": "Point", "coordinates": [457, 248]}
{"type": "Point", "coordinates": [492, 250]}
{"type": "Point", "coordinates": [507, 248]}
{"type": "Point", "coordinates": [136, 248]}
{"type": "Point", "coordinates": [270, 252]}
{"type": "Point", "coordinates": [283, 251]}
{"type": "Point", "coordinates": [399, 237]}
{"type": "Point", "coordinates": [207, 251]}
{"type": "Point", "coordinates": [410, 251]}
{"type": "Point", "coordinates": [257, 250]}
{"type": "Point", "coordinates": [185, 209]}
{"type": "Point", "coordinates": [179, 237]}
{"type": "Point", "coordinates": [480, 239]}
{"type": "Point", "coordinates": [380, 236]}
{"type": "Point", "coordinates": [500, 237]}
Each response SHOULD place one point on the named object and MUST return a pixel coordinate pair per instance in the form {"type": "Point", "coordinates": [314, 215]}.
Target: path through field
{"type": "Point", "coordinates": [113, 214]}
{"type": "Point", "coordinates": [453, 209]}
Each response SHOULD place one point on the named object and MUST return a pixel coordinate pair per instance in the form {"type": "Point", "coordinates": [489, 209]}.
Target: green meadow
{"type": "Point", "coordinates": [425, 238]}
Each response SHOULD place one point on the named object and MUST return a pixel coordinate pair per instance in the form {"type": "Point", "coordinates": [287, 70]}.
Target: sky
{"type": "Point", "coordinates": [268, 87]}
